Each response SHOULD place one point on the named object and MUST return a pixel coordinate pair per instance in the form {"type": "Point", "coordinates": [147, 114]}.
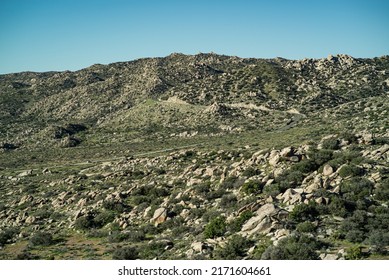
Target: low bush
{"type": "Point", "coordinates": [7, 235]}
{"type": "Point", "coordinates": [331, 144]}
{"type": "Point", "coordinates": [215, 228]}
{"type": "Point", "coordinates": [294, 247]}
{"type": "Point", "coordinates": [235, 248]}
{"type": "Point", "coordinates": [237, 223]}
{"type": "Point", "coordinates": [125, 253]}
{"type": "Point", "coordinates": [356, 189]}
{"type": "Point", "coordinates": [306, 227]}
{"type": "Point", "coordinates": [304, 212]}
{"type": "Point", "coordinates": [252, 187]}
{"type": "Point", "coordinates": [350, 170]}
{"type": "Point", "coordinates": [41, 239]}
{"type": "Point", "coordinates": [228, 201]}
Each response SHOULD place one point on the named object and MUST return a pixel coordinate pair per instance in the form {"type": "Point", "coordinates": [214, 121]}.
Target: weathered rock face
{"type": "Point", "coordinates": [261, 223]}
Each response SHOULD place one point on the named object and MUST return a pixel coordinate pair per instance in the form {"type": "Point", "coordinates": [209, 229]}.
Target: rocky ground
{"type": "Point", "coordinates": [197, 157]}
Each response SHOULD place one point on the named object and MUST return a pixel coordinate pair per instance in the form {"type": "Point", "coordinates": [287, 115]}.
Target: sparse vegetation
{"type": "Point", "coordinates": [154, 158]}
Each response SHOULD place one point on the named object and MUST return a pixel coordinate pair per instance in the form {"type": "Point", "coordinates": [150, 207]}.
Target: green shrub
{"type": "Point", "coordinates": [228, 201]}
{"type": "Point", "coordinates": [306, 227]}
{"type": "Point", "coordinates": [113, 205]}
{"type": "Point", "coordinates": [353, 228]}
{"type": "Point", "coordinates": [237, 224]}
{"type": "Point", "coordinates": [350, 170]}
{"type": "Point", "coordinates": [354, 253]}
{"type": "Point", "coordinates": [356, 189]}
{"type": "Point", "coordinates": [125, 253]}
{"type": "Point", "coordinates": [381, 141]}
{"type": "Point", "coordinates": [235, 248]}
{"type": "Point", "coordinates": [230, 183]}
{"type": "Point", "coordinates": [320, 157]}
{"type": "Point", "coordinates": [379, 239]}
{"type": "Point", "coordinates": [130, 236]}
{"type": "Point", "coordinates": [305, 166]}
{"type": "Point", "coordinates": [303, 212]}
{"type": "Point", "coordinates": [41, 239]}
{"type": "Point", "coordinates": [215, 228]}
{"type": "Point", "coordinates": [84, 222]}
{"type": "Point", "coordinates": [294, 247]}
{"type": "Point", "coordinates": [349, 137]}
{"type": "Point", "coordinates": [340, 207]}
{"type": "Point", "coordinates": [252, 187]}
{"type": "Point", "coordinates": [103, 218]}
{"type": "Point", "coordinates": [382, 190]}
{"type": "Point", "coordinates": [331, 144]}
{"type": "Point", "coordinates": [153, 250]}
{"type": "Point", "coordinates": [7, 235]}
{"type": "Point", "coordinates": [250, 172]}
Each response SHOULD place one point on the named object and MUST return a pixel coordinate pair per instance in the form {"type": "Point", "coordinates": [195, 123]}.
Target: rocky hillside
{"type": "Point", "coordinates": [197, 157]}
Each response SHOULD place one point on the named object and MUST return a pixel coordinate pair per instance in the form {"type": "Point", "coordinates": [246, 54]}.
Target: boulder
{"type": "Point", "coordinates": [256, 223]}
{"type": "Point", "coordinates": [327, 170]}
{"type": "Point", "coordinates": [160, 216]}
{"type": "Point", "coordinates": [287, 152]}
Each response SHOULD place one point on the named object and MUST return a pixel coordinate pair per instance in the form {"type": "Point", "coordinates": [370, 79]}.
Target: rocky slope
{"type": "Point", "coordinates": [199, 157]}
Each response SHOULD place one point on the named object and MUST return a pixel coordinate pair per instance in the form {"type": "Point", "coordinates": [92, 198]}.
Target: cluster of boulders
{"type": "Point", "coordinates": [184, 179]}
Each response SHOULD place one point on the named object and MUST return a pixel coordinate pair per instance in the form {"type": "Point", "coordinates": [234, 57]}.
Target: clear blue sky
{"type": "Point", "coordinates": [72, 34]}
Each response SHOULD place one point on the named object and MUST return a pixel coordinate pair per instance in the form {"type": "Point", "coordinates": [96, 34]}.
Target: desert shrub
{"type": "Point", "coordinates": [230, 183]}
{"type": "Point", "coordinates": [159, 192]}
{"type": "Point", "coordinates": [228, 201]}
{"type": "Point", "coordinates": [273, 189]}
{"type": "Point", "coordinates": [41, 239]}
{"type": "Point", "coordinates": [25, 255]}
{"type": "Point", "coordinates": [304, 212]}
{"type": "Point", "coordinates": [235, 248]}
{"type": "Point", "coordinates": [353, 228]}
{"type": "Point", "coordinates": [294, 247]}
{"type": "Point", "coordinates": [381, 140]}
{"type": "Point", "coordinates": [331, 144]}
{"type": "Point", "coordinates": [125, 253]}
{"type": "Point", "coordinates": [103, 218]}
{"type": "Point", "coordinates": [288, 179]}
{"type": "Point", "coordinates": [354, 253]}
{"type": "Point", "coordinates": [113, 205]}
{"type": "Point", "coordinates": [203, 189]}
{"type": "Point", "coordinates": [382, 190]}
{"type": "Point", "coordinates": [250, 172]}
{"type": "Point", "coordinates": [305, 166]}
{"type": "Point", "coordinates": [356, 188]}
{"type": "Point", "coordinates": [349, 137]}
{"type": "Point", "coordinates": [43, 213]}
{"type": "Point", "coordinates": [215, 194]}
{"type": "Point", "coordinates": [129, 235]}
{"type": "Point", "coordinates": [340, 207]}
{"type": "Point", "coordinates": [350, 170]}
{"type": "Point", "coordinates": [153, 250]}
{"type": "Point", "coordinates": [7, 235]}
{"type": "Point", "coordinates": [379, 239]}
{"type": "Point", "coordinates": [84, 222]}
{"type": "Point", "coordinates": [236, 224]}
{"type": "Point", "coordinates": [215, 228]}
{"type": "Point", "coordinates": [306, 227]}
{"type": "Point", "coordinates": [252, 187]}
{"type": "Point", "coordinates": [321, 157]}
